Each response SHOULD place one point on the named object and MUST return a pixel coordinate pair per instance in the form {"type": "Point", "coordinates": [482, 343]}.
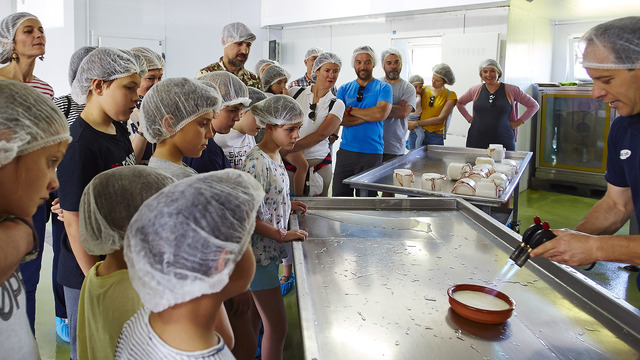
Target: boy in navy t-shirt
{"type": "Point", "coordinates": [107, 82]}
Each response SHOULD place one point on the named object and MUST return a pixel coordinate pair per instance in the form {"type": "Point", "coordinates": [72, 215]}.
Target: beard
{"type": "Point", "coordinates": [393, 75]}
{"type": "Point", "coordinates": [364, 75]}
{"type": "Point", "coordinates": [238, 62]}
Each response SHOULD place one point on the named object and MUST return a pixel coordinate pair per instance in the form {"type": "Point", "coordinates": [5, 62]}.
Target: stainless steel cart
{"type": "Point", "coordinates": [371, 282]}
{"type": "Point", "coordinates": [436, 159]}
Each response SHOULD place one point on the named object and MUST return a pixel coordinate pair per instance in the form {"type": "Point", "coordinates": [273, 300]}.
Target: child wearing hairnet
{"type": "Point", "coordinates": [281, 116]}
{"type": "Point", "coordinates": [33, 138]}
{"type": "Point", "coordinates": [237, 143]}
{"type": "Point", "coordinates": [176, 115]}
{"type": "Point", "coordinates": [235, 96]}
{"type": "Point", "coordinates": [187, 249]}
{"type": "Point", "coordinates": [107, 298]}
{"type": "Point", "coordinates": [107, 82]}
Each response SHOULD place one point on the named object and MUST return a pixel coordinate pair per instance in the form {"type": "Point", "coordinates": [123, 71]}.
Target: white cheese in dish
{"type": "Point", "coordinates": [480, 300]}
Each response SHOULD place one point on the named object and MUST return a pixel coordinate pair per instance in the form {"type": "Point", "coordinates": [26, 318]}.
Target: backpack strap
{"type": "Point", "coordinates": [295, 96]}
{"type": "Point", "coordinates": [67, 110]}
{"type": "Point", "coordinates": [333, 101]}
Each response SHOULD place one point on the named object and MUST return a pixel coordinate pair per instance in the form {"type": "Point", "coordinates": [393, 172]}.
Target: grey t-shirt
{"type": "Point", "coordinates": [176, 171]}
{"type": "Point", "coordinates": [395, 130]}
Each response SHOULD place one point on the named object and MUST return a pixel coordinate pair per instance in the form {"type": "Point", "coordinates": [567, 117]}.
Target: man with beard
{"type": "Point", "coordinates": [236, 40]}
{"type": "Point", "coordinates": [396, 124]}
{"type": "Point", "coordinates": [368, 103]}
{"type": "Point", "coordinates": [309, 58]}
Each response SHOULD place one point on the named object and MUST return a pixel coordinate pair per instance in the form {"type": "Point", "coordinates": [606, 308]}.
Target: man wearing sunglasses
{"type": "Point", "coordinates": [368, 103]}
{"type": "Point", "coordinates": [404, 101]}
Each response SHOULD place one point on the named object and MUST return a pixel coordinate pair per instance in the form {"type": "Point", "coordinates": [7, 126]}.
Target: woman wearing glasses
{"type": "Point", "coordinates": [322, 122]}
{"type": "Point", "coordinates": [437, 104]}
{"type": "Point", "coordinates": [495, 117]}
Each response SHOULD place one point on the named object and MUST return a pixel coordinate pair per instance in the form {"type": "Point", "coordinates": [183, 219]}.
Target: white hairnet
{"type": "Point", "coordinates": [105, 63]}
{"type": "Point", "coordinates": [104, 217]}
{"type": "Point", "coordinates": [314, 51]}
{"type": "Point", "coordinates": [618, 43]}
{"type": "Point", "coordinates": [364, 50]}
{"type": "Point", "coordinates": [256, 96]}
{"type": "Point", "coordinates": [263, 62]}
{"type": "Point", "coordinates": [416, 79]}
{"type": "Point", "coordinates": [324, 58]}
{"type": "Point", "coordinates": [236, 32]}
{"type": "Point", "coordinates": [445, 72]}
{"type": "Point", "coordinates": [152, 58]}
{"type": "Point", "coordinates": [28, 121]}
{"type": "Point", "coordinates": [184, 241]}
{"type": "Point", "coordinates": [8, 27]}
{"type": "Point", "coordinates": [277, 110]}
{"type": "Point", "coordinates": [490, 63]}
{"type": "Point", "coordinates": [180, 101]}
{"type": "Point", "coordinates": [390, 51]}
{"type": "Point", "coordinates": [232, 89]}
{"type": "Point", "coordinates": [76, 60]}
{"type": "Point", "coordinates": [272, 74]}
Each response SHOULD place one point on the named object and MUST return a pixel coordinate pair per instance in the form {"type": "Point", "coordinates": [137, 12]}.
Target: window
{"type": "Point", "coordinates": [425, 53]}
{"type": "Point", "coordinates": [575, 71]}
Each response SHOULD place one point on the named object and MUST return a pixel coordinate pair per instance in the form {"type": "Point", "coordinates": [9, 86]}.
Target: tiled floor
{"type": "Point", "coordinates": [560, 210]}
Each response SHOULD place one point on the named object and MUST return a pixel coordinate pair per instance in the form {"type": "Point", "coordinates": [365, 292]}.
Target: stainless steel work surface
{"type": "Point", "coordinates": [372, 276]}
{"type": "Point", "coordinates": [434, 159]}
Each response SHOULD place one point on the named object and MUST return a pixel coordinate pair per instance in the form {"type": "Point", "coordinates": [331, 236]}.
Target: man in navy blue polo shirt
{"type": "Point", "coordinates": [612, 59]}
{"type": "Point", "coordinates": [368, 103]}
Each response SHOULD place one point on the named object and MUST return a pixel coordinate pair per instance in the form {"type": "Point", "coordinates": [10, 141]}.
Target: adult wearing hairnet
{"type": "Point", "coordinates": [306, 80]}
{"type": "Point", "coordinates": [33, 138]}
{"type": "Point", "coordinates": [404, 102]}
{"type": "Point", "coordinates": [235, 97]}
{"type": "Point", "coordinates": [216, 217]}
{"type": "Point", "coordinates": [368, 103]}
{"type": "Point", "coordinates": [237, 39]}
{"type": "Point", "coordinates": [323, 115]}
{"type": "Point", "coordinates": [612, 59]}
{"type": "Point", "coordinates": [437, 103]}
{"type": "Point", "coordinates": [495, 118]}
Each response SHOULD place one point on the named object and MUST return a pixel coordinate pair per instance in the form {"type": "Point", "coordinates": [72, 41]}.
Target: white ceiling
{"type": "Point", "coordinates": [571, 10]}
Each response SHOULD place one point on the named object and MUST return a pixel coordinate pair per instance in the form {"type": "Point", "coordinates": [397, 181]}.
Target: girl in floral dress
{"type": "Point", "coordinates": [281, 116]}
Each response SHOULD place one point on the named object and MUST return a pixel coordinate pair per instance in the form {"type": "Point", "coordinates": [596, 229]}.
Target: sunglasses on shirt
{"type": "Point", "coordinates": [360, 95]}
{"type": "Point", "coordinates": [431, 100]}
{"type": "Point", "coordinates": [491, 98]}
{"type": "Point", "coordinates": [312, 114]}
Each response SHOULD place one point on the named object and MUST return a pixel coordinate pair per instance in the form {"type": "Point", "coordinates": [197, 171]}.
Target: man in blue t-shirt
{"type": "Point", "coordinates": [612, 59]}
{"type": "Point", "coordinates": [368, 103]}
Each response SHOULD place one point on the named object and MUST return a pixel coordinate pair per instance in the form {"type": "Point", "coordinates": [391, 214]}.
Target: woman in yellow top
{"type": "Point", "coordinates": [437, 104]}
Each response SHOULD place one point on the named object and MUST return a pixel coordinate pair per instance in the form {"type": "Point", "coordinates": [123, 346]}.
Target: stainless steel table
{"type": "Point", "coordinates": [371, 282]}
{"type": "Point", "coordinates": [436, 159]}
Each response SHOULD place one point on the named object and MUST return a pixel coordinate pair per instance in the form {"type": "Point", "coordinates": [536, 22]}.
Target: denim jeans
{"type": "Point", "coordinates": [430, 138]}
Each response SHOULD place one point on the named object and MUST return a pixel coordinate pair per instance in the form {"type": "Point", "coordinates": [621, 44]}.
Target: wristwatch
{"type": "Point", "coordinates": [283, 234]}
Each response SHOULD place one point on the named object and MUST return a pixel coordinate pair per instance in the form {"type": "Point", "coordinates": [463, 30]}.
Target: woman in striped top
{"type": "Point", "coordinates": [22, 40]}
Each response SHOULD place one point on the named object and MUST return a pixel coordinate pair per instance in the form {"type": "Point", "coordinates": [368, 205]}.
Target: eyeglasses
{"type": "Point", "coordinates": [431, 100]}
{"type": "Point", "coordinates": [491, 98]}
{"type": "Point", "coordinates": [312, 114]}
{"type": "Point", "coordinates": [360, 95]}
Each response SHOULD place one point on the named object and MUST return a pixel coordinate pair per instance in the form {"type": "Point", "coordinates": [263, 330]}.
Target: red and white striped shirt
{"type": "Point", "coordinates": [42, 87]}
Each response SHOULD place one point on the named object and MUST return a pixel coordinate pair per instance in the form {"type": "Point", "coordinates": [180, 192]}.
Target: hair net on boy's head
{"type": "Point", "coordinates": [28, 121]}
{"type": "Point", "coordinates": [272, 74]}
{"type": "Point", "coordinates": [8, 27]}
{"type": "Point", "coordinates": [236, 32]}
{"type": "Point", "coordinates": [416, 79]}
{"type": "Point", "coordinates": [445, 72]}
{"type": "Point", "coordinates": [491, 63]}
{"type": "Point", "coordinates": [256, 96]}
{"type": "Point", "coordinates": [390, 51]}
{"type": "Point", "coordinates": [152, 58]}
{"type": "Point", "coordinates": [613, 45]}
{"type": "Point", "coordinates": [173, 103]}
{"type": "Point", "coordinates": [364, 50]}
{"type": "Point", "coordinates": [314, 51]}
{"type": "Point", "coordinates": [184, 241]}
{"type": "Point", "coordinates": [104, 217]}
{"type": "Point", "coordinates": [232, 90]}
{"type": "Point", "coordinates": [105, 63]}
{"type": "Point", "coordinates": [263, 62]}
{"type": "Point", "coordinates": [76, 60]}
{"type": "Point", "coordinates": [277, 110]}
{"type": "Point", "coordinates": [324, 58]}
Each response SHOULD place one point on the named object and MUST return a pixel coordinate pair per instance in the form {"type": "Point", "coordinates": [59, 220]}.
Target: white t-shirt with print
{"type": "Point", "coordinates": [235, 146]}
